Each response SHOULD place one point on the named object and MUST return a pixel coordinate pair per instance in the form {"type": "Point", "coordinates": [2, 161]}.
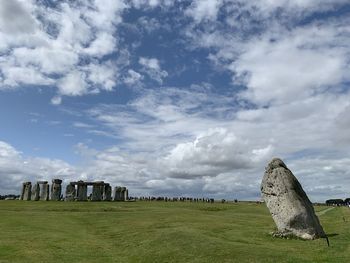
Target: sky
{"type": "Point", "coordinates": [175, 98]}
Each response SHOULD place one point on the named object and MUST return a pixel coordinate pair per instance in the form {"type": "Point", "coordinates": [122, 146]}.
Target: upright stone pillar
{"type": "Point", "coordinates": [107, 193]}
{"type": "Point", "coordinates": [56, 189]}
{"type": "Point", "coordinates": [117, 193]}
{"type": "Point", "coordinates": [27, 191]}
{"type": "Point", "coordinates": [70, 192]}
{"type": "Point", "coordinates": [82, 191]}
{"type": "Point", "coordinates": [289, 205]}
{"type": "Point", "coordinates": [122, 194]}
{"type": "Point", "coordinates": [36, 192]}
{"type": "Point", "coordinates": [44, 192]}
{"type": "Point", "coordinates": [22, 191]}
{"type": "Point", "coordinates": [126, 194]}
{"type": "Point", "coordinates": [97, 191]}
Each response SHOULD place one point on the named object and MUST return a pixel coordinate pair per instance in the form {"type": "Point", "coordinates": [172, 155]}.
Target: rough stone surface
{"type": "Point", "coordinates": [117, 195]}
{"type": "Point", "coordinates": [126, 195]}
{"type": "Point", "coordinates": [97, 191]}
{"type": "Point", "coordinates": [123, 194]}
{"type": "Point", "coordinates": [56, 189]}
{"type": "Point", "coordinates": [36, 192]}
{"type": "Point", "coordinates": [27, 191]}
{"type": "Point", "coordinates": [107, 193]}
{"type": "Point", "coordinates": [22, 192]}
{"type": "Point", "coordinates": [82, 192]}
{"type": "Point", "coordinates": [289, 206]}
{"type": "Point", "coordinates": [44, 192]}
{"type": "Point", "coordinates": [70, 192]}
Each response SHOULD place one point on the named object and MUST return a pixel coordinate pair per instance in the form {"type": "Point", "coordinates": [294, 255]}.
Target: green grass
{"type": "Point", "coordinates": [159, 232]}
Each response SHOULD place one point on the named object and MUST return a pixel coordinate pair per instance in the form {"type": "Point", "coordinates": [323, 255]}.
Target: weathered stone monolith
{"type": "Point", "coordinates": [56, 189]}
{"type": "Point", "coordinates": [126, 195]}
{"type": "Point", "coordinates": [70, 192]}
{"type": "Point", "coordinates": [44, 191]}
{"type": "Point", "coordinates": [35, 192]}
{"type": "Point", "coordinates": [289, 206]}
{"type": "Point", "coordinates": [22, 192]}
{"type": "Point", "coordinates": [123, 194]}
{"type": "Point", "coordinates": [117, 194]}
{"type": "Point", "coordinates": [107, 193]}
{"type": "Point", "coordinates": [27, 191]}
{"type": "Point", "coordinates": [81, 191]}
{"type": "Point", "coordinates": [97, 191]}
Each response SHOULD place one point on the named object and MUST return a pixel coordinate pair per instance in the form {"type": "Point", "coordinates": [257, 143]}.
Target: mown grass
{"type": "Point", "coordinates": [159, 232]}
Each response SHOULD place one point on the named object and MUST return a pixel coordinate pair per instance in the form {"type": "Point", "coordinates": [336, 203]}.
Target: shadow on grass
{"type": "Point", "coordinates": [332, 235]}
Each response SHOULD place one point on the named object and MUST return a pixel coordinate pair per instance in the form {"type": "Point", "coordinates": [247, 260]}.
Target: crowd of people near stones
{"type": "Point", "coordinates": [338, 202]}
{"type": "Point", "coordinates": [180, 199]}
{"type": "Point", "coordinates": [9, 197]}
{"type": "Point", "coordinates": [175, 199]}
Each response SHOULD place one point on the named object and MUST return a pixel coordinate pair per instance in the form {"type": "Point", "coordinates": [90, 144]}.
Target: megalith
{"type": "Point", "coordinates": [97, 191]}
{"type": "Point", "coordinates": [82, 191]}
{"type": "Point", "coordinates": [70, 192]}
{"type": "Point", "coordinates": [26, 191]}
{"type": "Point", "coordinates": [35, 192]}
{"type": "Point", "coordinates": [107, 193]}
{"type": "Point", "coordinates": [289, 205]}
{"type": "Point", "coordinates": [126, 194]}
{"type": "Point", "coordinates": [56, 189]}
{"type": "Point", "coordinates": [44, 191]}
{"type": "Point", "coordinates": [117, 195]}
{"type": "Point", "coordinates": [122, 194]}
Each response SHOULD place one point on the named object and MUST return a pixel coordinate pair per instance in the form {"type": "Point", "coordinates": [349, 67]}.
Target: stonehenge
{"type": "Point", "coordinates": [107, 193]}
{"type": "Point", "coordinates": [70, 192]}
{"type": "Point", "coordinates": [288, 204]}
{"type": "Point", "coordinates": [56, 189]}
{"type": "Point", "coordinates": [26, 193]}
{"type": "Point", "coordinates": [117, 193]}
{"type": "Point", "coordinates": [36, 192]}
{"type": "Point", "coordinates": [75, 191]}
{"type": "Point", "coordinates": [44, 191]}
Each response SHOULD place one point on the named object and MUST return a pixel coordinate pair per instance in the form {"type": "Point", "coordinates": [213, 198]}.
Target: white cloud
{"type": "Point", "coordinates": [296, 66]}
{"type": "Point", "coordinates": [103, 44]}
{"type": "Point", "coordinates": [15, 76]}
{"type": "Point", "coordinates": [60, 45]}
{"type": "Point", "coordinates": [16, 17]}
{"type": "Point", "coordinates": [133, 77]}
{"type": "Point", "coordinates": [15, 169]}
{"type": "Point", "coordinates": [152, 68]}
{"type": "Point", "coordinates": [56, 100]}
{"type": "Point", "coordinates": [204, 9]}
{"type": "Point", "coordinates": [212, 153]}
{"type": "Point", "coordinates": [73, 84]}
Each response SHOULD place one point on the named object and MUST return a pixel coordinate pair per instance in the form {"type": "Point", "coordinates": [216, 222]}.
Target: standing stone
{"type": "Point", "coordinates": [22, 192]}
{"type": "Point", "coordinates": [70, 192]}
{"type": "Point", "coordinates": [289, 206]}
{"type": "Point", "coordinates": [117, 193]}
{"type": "Point", "coordinates": [126, 195]}
{"type": "Point", "coordinates": [27, 191]}
{"type": "Point", "coordinates": [107, 193]}
{"type": "Point", "coordinates": [36, 192]}
{"type": "Point", "coordinates": [82, 191]}
{"type": "Point", "coordinates": [97, 191]}
{"type": "Point", "coordinates": [56, 189]}
{"type": "Point", "coordinates": [44, 192]}
{"type": "Point", "coordinates": [123, 194]}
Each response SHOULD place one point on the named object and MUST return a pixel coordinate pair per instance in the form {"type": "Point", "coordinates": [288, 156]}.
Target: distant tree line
{"type": "Point", "coordinates": [338, 202]}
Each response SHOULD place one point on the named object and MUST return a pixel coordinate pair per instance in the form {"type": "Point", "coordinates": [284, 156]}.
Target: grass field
{"type": "Point", "coordinates": [159, 232]}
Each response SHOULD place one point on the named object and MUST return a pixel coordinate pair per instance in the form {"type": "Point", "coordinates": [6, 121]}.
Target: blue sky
{"type": "Point", "coordinates": [175, 97]}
